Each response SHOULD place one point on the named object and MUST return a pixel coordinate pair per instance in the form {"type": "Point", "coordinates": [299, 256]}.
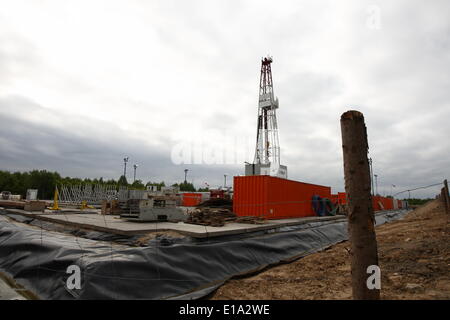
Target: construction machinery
{"type": "Point", "coordinates": [153, 209]}
{"type": "Point", "coordinates": [153, 205]}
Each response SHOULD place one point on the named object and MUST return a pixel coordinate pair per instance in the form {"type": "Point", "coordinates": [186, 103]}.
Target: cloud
{"type": "Point", "coordinates": [33, 137]}
{"type": "Point", "coordinates": [83, 84]}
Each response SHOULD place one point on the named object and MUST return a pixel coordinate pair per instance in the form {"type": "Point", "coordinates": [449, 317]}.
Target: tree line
{"type": "Point", "coordinates": [415, 201]}
{"type": "Point", "coordinates": [46, 181]}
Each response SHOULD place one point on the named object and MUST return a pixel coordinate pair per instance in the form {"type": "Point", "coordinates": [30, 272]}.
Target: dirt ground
{"type": "Point", "coordinates": [414, 255]}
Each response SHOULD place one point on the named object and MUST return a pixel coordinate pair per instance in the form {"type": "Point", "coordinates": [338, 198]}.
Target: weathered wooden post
{"type": "Point", "coordinates": [446, 198]}
{"type": "Point", "coordinates": [361, 221]}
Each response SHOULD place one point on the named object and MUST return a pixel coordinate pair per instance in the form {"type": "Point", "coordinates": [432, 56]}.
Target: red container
{"type": "Point", "coordinates": [342, 197]}
{"type": "Point", "coordinates": [386, 203]}
{"type": "Point", "coordinates": [375, 205]}
{"type": "Point", "coordinates": [339, 198]}
{"type": "Point", "coordinates": [334, 198]}
{"type": "Point", "coordinates": [275, 198]}
{"type": "Point", "coordinates": [191, 199]}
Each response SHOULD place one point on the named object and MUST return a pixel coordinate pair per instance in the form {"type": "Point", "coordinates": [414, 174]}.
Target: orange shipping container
{"type": "Point", "coordinates": [191, 199]}
{"type": "Point", "coordinates": [275, 198]}
{"type": "Point", "coordinates": [375, 204]}
{"type": "Point", "coordinates": [334, 198]}
{"type": "Point", "coordinates": [339, 198]}
{"type": "Point", "coordinates": [342, 197]}
{"type": "Point", "coordinates": [386, 203]}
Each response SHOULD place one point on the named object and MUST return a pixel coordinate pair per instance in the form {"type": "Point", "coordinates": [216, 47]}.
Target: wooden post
{"type": "Point", "coordinates": [361, 221]}
{"type": "Point", "coordinates": [446, 198]}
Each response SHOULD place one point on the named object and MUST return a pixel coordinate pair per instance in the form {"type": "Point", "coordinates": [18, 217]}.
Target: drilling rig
{"type": "Point", "coordinates": [267, 153]}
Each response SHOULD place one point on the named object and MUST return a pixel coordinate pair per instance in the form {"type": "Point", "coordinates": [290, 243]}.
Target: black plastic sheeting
{"type": "Point", "coordinates": [87, 234]}
{"type": "Point", "coordinates": [38, 260]}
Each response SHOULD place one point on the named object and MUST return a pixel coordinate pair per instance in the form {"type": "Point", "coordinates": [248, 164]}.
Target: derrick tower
{"type": "Point", "coordinates": [267, 153]}
{"type": "Point", "coordinates": [267, 144]}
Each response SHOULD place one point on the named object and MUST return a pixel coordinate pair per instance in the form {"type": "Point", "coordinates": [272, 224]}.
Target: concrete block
{"type": "Point", "coordinates": [35, 205]}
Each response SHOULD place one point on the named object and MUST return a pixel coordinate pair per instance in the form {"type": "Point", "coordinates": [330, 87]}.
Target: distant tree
{"type": "Point", "coordinates": [6, 181]}
{"type": "Point", "coordinates": [46, 181]}
{"type": "Point", "coordinates": [122, 181]}
{"type": "Point", "coordinates": [159, 185]}
{"type": "Point", "coordinates": [111, 182]}
{"type": "Point", "coordinates": [415, 201]}
{"type": "Point", "coordinates": [186, 186]}
{"type": "Point", "coordinates": [206, 189]}
{"type": "Point", "coordinates": [137, 184]}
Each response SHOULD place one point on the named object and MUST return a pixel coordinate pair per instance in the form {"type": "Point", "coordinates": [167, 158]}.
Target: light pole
{"type": "Point", "coordinates": [185, 175]}
{"type": "Point", "coordinates": [392, 186]}
{"type": "Point", "coordinates": [371, 175]}
{"type": "Point", "coordinates": [135, 167]}
{"type": "Point", "coordinates": [376, 184]}
{"type": "Point", "coordinates": [225, 181]}
{"type": "Point", "coordinates": [125, 160]}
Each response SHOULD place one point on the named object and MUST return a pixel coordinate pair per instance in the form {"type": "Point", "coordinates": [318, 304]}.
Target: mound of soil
{"type": "Point", "coordinates": [414, 255]}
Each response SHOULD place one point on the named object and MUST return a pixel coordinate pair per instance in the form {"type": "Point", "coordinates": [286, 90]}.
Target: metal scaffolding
{"type": "Point", "coordinates": [96, 193]}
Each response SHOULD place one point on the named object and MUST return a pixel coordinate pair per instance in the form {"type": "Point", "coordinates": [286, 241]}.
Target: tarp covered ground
{"type": "Point", "coordinates": [38, 259]}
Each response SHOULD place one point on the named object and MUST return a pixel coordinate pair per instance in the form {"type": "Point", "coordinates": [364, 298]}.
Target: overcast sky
{"type": "Point", "coordinates": [84, 83]}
